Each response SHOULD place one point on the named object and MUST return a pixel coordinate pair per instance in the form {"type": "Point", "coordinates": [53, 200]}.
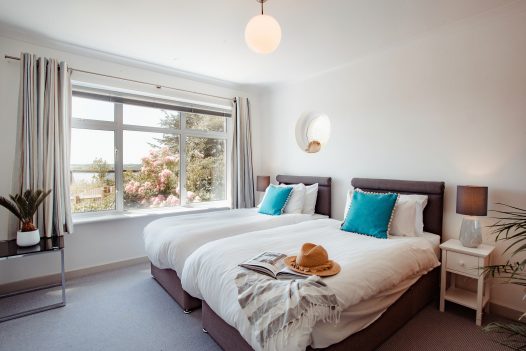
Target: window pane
{"type": "Point", "coordinates": [92, 170]}
{"type": "Point", "coordinates": [92, 109]}
{"type": "Point", "coordinates": [205, 169]}
{"type": "Point", "coordinates": [205, 122]}
{"type": "Point", "coordinates": [150, 117]}
{"type": "Point", "coordinates": [151, 169]}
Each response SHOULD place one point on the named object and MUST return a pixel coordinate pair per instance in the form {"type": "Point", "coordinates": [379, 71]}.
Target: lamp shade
{"type": "Point", "coordinates": [262, 183]}
{"type": "Point", "coordinates": [263, 34]}
{"type": "Point", "coordinates": [472, 200]}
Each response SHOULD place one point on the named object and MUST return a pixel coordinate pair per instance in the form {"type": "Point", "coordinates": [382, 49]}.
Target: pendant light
{"type": "Point", "coordinates": [263, 33]}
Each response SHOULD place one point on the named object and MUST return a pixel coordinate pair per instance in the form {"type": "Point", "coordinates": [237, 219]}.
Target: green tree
{"type": "Point", "coordinates": [101, 168]}
{"type": "Point", "coordinates": [205, 157]}
{"type": "Point", "coordinates": [205, 167]}
{"type": "Point", "coordinates": [205, 122]}
{"type": "Point", "coordinates": [156, 183]}
{"type": "Point", "coordinates": [172, 121]}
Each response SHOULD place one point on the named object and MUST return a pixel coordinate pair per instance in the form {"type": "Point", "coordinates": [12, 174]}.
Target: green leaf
{"type": "Point", "coordinates": [10, 206]}
{"type": "Point", "coordinates": [517, 250]}
{"type": "Point", "coordinates": [22, 205]}
{"type": "Point", "coordinates": [41, 198]}
{"type": "Point", "coordinates": [514, 333]}
{"type": "Point", "coordinates": [25, 205]}
{"type": "Point", "coordinates": [516, 208]}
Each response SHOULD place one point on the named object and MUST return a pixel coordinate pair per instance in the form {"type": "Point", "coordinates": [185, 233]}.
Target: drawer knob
{"type": "Point", "coordinates": [461, 263]}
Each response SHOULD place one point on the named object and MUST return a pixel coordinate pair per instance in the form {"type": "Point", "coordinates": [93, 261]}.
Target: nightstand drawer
{"type": "Point", "coordinates": [463, 263]}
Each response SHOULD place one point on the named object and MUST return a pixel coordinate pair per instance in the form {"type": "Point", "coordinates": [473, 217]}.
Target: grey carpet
{"type": "Point", "coordinates": [120, 310]}
{"type": "Point", "coordinates": [127, 310]}
{"type": "Point", "coordinates": [455, 329]}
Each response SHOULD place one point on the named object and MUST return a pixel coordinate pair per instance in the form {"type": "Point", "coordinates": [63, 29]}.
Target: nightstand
{"type": "Point", "coordinates": [469, 262]}
{"type": "Point", "coordinates": [10, 250]}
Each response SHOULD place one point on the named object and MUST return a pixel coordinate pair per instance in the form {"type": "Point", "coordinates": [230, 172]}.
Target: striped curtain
{"type": "Point", "coordinates": [43, 141]}
{"type": "Point", "coordinates": [242, 172]}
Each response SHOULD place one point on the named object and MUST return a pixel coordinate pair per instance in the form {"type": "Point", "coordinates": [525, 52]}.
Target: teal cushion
{"type": "Point", "coordinates": [370, 214]}
{"type": "Point", "coordinates": [275, 200]}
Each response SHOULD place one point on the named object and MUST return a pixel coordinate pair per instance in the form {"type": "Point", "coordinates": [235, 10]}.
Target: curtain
{"type": "Point", "coordinates": [242, 172]}
{"type": "Point", "coordinates": [43, 141]}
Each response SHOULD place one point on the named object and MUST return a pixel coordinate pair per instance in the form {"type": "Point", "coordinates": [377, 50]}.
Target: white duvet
{"type": "Point", "coordinates": [369, 267]}
{"type": "Point", "coordinates": [170, 240]}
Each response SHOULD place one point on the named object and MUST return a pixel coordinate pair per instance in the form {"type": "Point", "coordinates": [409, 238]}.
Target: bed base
{"type": "Point", "coordinates": [168, 279]}
{"type": "Point", "coordinates": [410, 303]}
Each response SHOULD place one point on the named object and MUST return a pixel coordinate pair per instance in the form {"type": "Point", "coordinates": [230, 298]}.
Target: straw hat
{"type": "Point", "coordinates": [312, 259]}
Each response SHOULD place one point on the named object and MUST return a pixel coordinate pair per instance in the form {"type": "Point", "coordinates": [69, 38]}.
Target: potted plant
{"type": "Point", "coordinates": [24, 206]}
{"type": "Point", "coordinates": [510, 227]}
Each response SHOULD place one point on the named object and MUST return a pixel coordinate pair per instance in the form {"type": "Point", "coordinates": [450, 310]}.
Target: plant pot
{"type": "Point", "coordinates": [28, 238]}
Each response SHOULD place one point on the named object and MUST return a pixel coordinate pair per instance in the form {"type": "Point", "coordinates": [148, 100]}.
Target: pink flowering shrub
{"type": "Point", "coordinates": [156, 183]}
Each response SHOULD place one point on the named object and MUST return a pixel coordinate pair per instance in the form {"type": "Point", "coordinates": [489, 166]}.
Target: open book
{"type": "Point", "coordinates": [271, 264]}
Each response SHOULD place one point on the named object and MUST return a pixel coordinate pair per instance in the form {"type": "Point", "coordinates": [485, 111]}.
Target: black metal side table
{"type": "Point", "coordinates": [9, 250]}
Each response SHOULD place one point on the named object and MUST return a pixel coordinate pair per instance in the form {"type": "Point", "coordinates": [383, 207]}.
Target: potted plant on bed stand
{"type": "Point", "coordinates": [24, 206]}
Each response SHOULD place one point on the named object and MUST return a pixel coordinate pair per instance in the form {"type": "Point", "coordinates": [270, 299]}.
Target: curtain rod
{"type": "Point", "coordinates": [158, 86]}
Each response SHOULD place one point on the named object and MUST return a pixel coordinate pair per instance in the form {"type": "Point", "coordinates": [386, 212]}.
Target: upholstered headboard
{"type": "Point", "coordinates": [433, 213]}
{"type": "Point", "coordinates": [323, 202]}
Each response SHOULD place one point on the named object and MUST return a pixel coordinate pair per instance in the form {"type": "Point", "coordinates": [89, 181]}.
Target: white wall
{"type": "Point", "coordinates": [92, 244]}
{"type": "Point", "coordinates": [447, 106]}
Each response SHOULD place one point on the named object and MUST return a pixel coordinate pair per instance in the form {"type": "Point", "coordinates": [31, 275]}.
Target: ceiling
{"type": "Point", "coordinates": [206, 37]}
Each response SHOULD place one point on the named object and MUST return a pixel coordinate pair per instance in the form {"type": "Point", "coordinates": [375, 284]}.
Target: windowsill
{"type": "Point", "coordinates": [95, 217]}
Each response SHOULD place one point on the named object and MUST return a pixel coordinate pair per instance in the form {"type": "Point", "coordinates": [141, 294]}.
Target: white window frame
{"type": "Point", "coordinates": [118, 128]}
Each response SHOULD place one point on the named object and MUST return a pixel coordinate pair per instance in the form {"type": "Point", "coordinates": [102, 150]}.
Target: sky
{"type": "Point", "coordinates": [86, 145]}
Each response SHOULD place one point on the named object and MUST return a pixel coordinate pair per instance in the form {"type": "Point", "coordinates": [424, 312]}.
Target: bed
{"type": "Point", "coordinates": [402, 301]}
{"type": "Point", "coordinates": [170, 240]}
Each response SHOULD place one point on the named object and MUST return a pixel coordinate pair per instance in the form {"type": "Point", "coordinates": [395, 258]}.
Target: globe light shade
{"type": "Point", "coordinates": [263, 34]}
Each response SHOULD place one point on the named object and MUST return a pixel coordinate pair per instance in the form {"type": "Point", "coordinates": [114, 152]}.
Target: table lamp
{"type": "Point", "coordinates": [262, 183]}
{"type": "Point", "coordinates": [472, 202]}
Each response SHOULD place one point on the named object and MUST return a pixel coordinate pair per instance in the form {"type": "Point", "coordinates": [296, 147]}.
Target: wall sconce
{"type": "Point", "coordinates": [313, 131]}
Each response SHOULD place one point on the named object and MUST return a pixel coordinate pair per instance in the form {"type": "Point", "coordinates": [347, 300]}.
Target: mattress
{"type": "Point", "coordinates": [365, 313]}
{"type": "Point", "coordinates": [170, 240]}
{"type": "Point", "coordinates": [374, 274]}
{"type": "Point", "coordinates": [434, 240]}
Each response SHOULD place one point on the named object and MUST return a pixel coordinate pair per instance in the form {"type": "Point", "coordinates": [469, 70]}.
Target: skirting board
{"type": "Point", "coordinates": [31, 283]}
{"type": "Point", "coordinates": [55, 278]}
{"type": "Point", "coordinates": [504, 311]}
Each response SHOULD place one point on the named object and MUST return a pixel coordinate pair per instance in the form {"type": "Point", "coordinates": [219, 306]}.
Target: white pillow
{"type": "Point", "coordinates": [295, 203]}
{"type": "Point", "coordinates": [408, 217]}
{"type": "Point", "coordinates": [347, 203]}
{"type": "Point", "coordinates": [262, 198]}
{"type": "Point", "coordinates": [311, 195]}
{"type": "Point", "coordinates": [296, 199]}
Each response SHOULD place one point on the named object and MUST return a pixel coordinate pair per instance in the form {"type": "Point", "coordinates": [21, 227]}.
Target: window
{"type": "Point", "coordinates": [205, 169]}
{"type": "Point", "coordinates": [92, 170]}
{"type": "Point", "coordinates": [129, 154]}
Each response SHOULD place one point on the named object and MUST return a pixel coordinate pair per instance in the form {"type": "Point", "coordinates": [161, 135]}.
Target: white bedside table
{"type": "Point", "coordinates": [468, 262]}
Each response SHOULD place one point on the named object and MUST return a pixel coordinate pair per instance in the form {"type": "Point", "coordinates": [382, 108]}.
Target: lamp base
{"type": "Point", "coordinates": [470, 232]}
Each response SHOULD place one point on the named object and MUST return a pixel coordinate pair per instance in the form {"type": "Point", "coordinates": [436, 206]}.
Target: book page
{"type": "Point", "coordinates": [287, 273]}
{"type": "Point", "coordinates": [271, 261]}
